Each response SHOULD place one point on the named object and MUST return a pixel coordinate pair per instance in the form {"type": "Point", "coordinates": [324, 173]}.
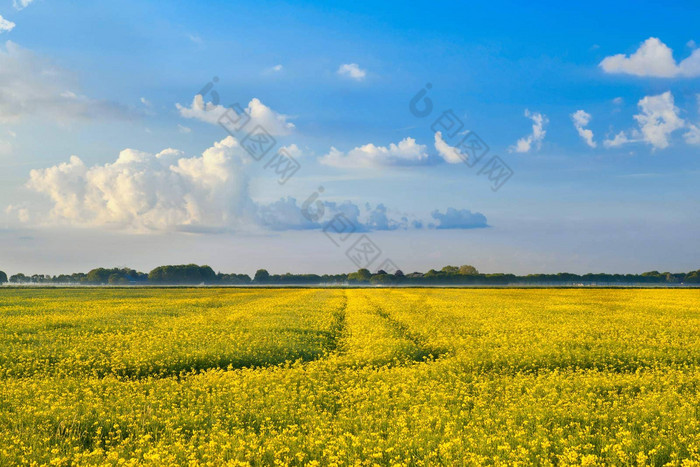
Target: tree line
{"type": "Point", "coordinates": [192, 274]}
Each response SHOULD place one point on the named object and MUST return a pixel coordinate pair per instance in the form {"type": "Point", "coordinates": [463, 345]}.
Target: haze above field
{"type": "Point", "coordinates": [108, 157]}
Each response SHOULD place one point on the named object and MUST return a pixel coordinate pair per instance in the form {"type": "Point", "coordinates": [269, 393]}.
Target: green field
{"type": "Point", "coordinates": [349, 376]}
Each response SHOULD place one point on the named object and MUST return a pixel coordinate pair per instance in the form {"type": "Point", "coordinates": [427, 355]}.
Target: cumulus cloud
{"type": "Point", "coordinates": [260, 114]}
{"type": "Point", "coordinates": [658, 119]}
{"type": "Point", "coordinates": [21, 4]}
{"type": "Point", "coordinates": [450, 154]}
{"type": "Point", "coordinates": [30, 85]}
{"type": "Point", "coordinates": [352, 70]}
{"type": "Point", "coordinates": [5, 25]}
{"type": "Point", "coordinates": [142, 191]}
{"type": "Point", "coordinates": [458, 219]}
{"type": "Point", "coordinates": [655, 59]}
{"type": "Point", "coordinates": [618, 140]}
{"type": "Point", "coordinates": [581, 120]}
{"type": "Point", "coordinates": [293, 150]}
{"type": "Point", "coordinates": [692, 136]}
{"type": "Point", "coordinates": [406, 153]}
{"type": "Point", "coordinates": [539, 121]}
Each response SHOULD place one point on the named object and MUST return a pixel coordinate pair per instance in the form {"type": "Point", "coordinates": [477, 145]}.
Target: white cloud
{"type": "Point", "coordinates": [618, 140]}
{"type": "Point", "coordinates": [352, 70]}
{"type": "Point", "coordinates": [142, 191]}
{"type": "Point", "coordinates": [618, 101]}
{"type": "Point", "coordinates": [451, 154]}
{"type": "Point", "coordinates": [275, 69]}
{"type": "Point", "coordinates": [581, 120]}
{"type": "Point", "coordinates": [539, 121]}
{"type": "Point", "coordinates": [21, 4]}
{"type": "Point", "coordinates": [653, 58]}
{"type": "Point", "coordinates": [407, 152]}
{"type": "Point", "coordinates": [692, 136]}
{"type": "Point", "coordinates": [657, 120]}
{"type": "Point", "coordinates": [145, 102]}
{"type": "Point", "coordinates": [183, 129]}
{"type": "Point", "coordinates": [275, 123]}
{"type": "Point", "coordinates": [30, 85]}
{"type": "Point", "coordinates": [5, 25]}
{"type": "Point", "coordinates": [293, 150]}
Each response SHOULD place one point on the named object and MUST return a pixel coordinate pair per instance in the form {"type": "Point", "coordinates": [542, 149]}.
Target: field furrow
{"type": "Point", "coordinates": [372, 337]}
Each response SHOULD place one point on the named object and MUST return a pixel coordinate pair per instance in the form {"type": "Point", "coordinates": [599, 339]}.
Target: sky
{"type": "Point", "coordinates": [327, 136]}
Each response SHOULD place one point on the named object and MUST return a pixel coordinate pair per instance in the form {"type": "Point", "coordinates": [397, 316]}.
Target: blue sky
{"type": "Point", "coordinates": [594, 107]}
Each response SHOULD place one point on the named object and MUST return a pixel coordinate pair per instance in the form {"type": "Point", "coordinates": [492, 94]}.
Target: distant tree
{"type": "Point", "coordinates": [3, 277]}
{"type": "Point", "coordinates": [399, 273]}
{"type": "Point", "coordinates": [653, 276]}
{"type": "Point", "coordinates": [19, 279]}
{"type": "Point", "coordinates": [98, 276]}
{"type": "Point", "coordinates": [468, 270]}
{"type": "Point", "coordinates": [671, 278]}
{"type": "Point", "coordinates": [233, 279]}
{"type": "Point", "coordinates": [182, 274]}
{"type": "Point", "coordinates": [692, 277]}
{"type": "Point", "coordinates": [261, 276]}
{"type": "Point", "coordinates": [361, 276]}
{"type": "Point", "coordinates": [101, 276]}
{"type": "Point", "coordinates": [450, 269]}
{"type": "Point", "coordinates": [117, 279]}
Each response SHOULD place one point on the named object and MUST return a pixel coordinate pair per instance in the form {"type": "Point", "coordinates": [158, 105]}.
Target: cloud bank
{"type": "Point", "coordinates": [168, 191]}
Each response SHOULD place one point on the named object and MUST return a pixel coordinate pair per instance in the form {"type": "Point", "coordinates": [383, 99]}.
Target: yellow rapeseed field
{"type": "Point", "coordinates": [349, 377]}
